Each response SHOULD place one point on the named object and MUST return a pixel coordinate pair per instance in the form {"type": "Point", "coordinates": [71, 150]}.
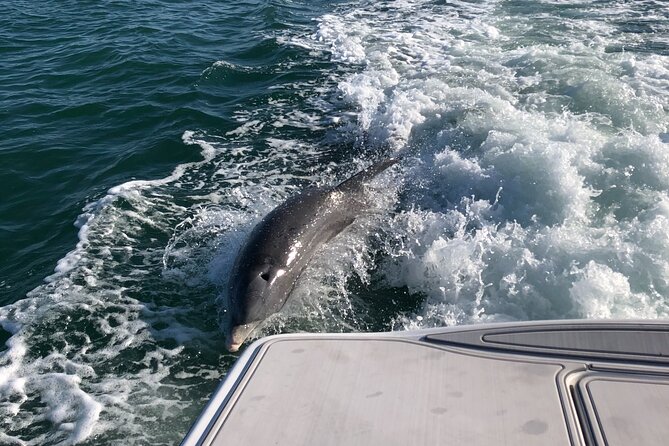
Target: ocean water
{"type": "Point", "coordinates": [141, 141]}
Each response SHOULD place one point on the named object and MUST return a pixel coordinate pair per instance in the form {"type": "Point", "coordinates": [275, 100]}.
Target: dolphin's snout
{"type": "Point", "coordinates": [238, 334]}
{"type": "Point", "coordinates": [231, 345]}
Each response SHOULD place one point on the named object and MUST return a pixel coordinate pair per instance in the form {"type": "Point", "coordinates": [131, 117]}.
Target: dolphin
{"type": "Point", "coordinates": [280, 246]}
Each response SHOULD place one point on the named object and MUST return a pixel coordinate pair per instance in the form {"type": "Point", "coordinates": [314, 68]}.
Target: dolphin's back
{"type": "Point", "coordinates": [357, 181]}
{"type": "Point", "coordinates": [312, 217]}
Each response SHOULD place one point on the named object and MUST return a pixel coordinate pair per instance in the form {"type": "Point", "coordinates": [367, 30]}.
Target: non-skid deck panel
{"type": "Point", "coordinates": [634, 342]}
{"type": "Point", "coordinates": [390, 392]}
{"type": "Point", "coordinates": [500, 384]}
{"type": "Point", "coordinates": [627, 410]}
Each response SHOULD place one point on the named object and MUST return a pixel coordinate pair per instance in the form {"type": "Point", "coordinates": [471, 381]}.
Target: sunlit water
{"type": "Point", "coordinates": [534, 183]}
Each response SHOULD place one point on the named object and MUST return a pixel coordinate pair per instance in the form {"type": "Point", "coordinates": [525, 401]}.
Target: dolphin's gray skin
{"type": "Point", "coordinates": [280, 246]}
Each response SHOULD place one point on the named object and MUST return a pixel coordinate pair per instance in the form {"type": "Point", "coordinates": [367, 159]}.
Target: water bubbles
{"type": "Point", "coordinates": [534, 184]}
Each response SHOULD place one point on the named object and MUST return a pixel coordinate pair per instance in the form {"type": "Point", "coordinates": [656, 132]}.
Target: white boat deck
{"type": "Point", "coordinates": [575, 383]}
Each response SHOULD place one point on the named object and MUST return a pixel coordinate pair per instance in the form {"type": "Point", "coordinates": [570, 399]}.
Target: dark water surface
{"type": "Point", "coordinates": [96, 93]}
{"type": "Point", "coordinates": [535, 183]}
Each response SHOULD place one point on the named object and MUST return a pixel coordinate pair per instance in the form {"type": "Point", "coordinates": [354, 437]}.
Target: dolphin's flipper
{"type": "Point", "coordinates": [357, 181]}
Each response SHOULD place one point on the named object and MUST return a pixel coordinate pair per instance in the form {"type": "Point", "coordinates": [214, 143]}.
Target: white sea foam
{"type": "Point", "coordinates": [82, 291]}
{"type": "Point", "coordinates": [534, 185]}
{"type": "Point", "coordinates": [534, 158]}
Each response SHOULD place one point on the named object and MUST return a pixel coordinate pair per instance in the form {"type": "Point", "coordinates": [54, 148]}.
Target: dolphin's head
{"type": "Point", "coordinates": [256, 292]}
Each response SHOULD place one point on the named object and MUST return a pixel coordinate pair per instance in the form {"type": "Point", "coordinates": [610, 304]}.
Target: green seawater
{"type": "Point", "coordinates": [96, 93]}
{"type": "Point", "coordinates": [140, 142]}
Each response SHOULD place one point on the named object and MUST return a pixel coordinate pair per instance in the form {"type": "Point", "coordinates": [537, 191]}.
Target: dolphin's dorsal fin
{"type": "Point", "coordinates": [359, 179]}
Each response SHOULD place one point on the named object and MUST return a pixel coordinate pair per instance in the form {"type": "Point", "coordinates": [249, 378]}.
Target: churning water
{"type": "Point", "coordinates": [534, 182]}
